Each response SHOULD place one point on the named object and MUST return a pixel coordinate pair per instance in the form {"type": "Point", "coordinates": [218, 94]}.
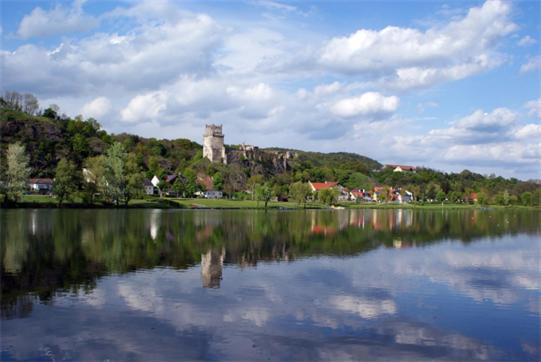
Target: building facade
{"type": "Point", "coordinates": [213, 144]}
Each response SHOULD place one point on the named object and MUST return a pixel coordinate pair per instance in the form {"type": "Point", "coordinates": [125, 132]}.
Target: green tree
{"type": "Point", "coordinates": [66, 181]}
{"type": "Point", "coordinates": [115, 176]}
{"type": "Point", "coordinates": [134, 179]}
{"type": "Point", "coordinates": [328, 196]}
{"type": "Point", "coordinates": [252, 182]}
{"type": "Point", "coordinates": [263, 193]}
{"type": "Point", "coordinates": [218, 181]}
{"type": "Point", "coordinates": [358, 180]}
{"type": "Point", "coordinates": [440, 196]}
{"type": "Point", "coordinates": [17, 172]}
{"type": "Point", "coordinates": [93, 178]}
{"type": "Point", "coordinates": [526, 198]}
{"type": "Point", "coordinates": [482, 198]}
{"type": "Point", "coordinates": [300, 192]}
{"type": "Point", "coordinates": [190, 183]}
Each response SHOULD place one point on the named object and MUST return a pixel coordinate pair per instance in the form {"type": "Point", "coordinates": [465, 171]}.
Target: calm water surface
{"type": "Point", "coordinates": [282, 285]}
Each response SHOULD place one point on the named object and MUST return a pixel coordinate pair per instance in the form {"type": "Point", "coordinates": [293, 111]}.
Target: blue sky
{"type": "Point", "coordinates": [448, 85]}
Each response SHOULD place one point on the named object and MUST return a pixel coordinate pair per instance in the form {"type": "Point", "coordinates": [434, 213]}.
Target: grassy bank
{"type": "Point", "coordinates": [45, 201]}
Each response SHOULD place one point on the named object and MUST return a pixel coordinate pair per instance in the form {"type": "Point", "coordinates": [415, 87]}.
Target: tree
{"type": "Point", "coordinates": [30, 104]}
{"type": "Point", "coordinates": [134, 179]}
{"type": "Point", "coordinates": [440, 196]}
{"type": "Point", "coordinates": [66, 181]}
{"type": "Point", "coordinates": [17, 172]}
{"type": "Point", "coordinates": [253, 181]}
{"type": "Point", "coordinates": [482, 198]}
{"type": "Point", "coordinates": [218, 181]}
{"type": "Point", "coordinates": [93, 177]}
{"type": "Point", "coordinates": [526, 198]}
{"type": "Point", "coordinates": [328, 196]}
{"type": "Point", "coordinates": [263, 193]}
{"type": "Point", "coordinates": [358, 180]}
{"type": "Point", "coordinates": [13, 100]}
{"type": "Point", "coordinates": [115, 173]}
{"type": "Point", "coordinates": [299, 192]}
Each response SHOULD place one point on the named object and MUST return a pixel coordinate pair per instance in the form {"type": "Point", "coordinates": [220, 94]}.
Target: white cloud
{"type": "Point", "coordinates": [460, 48]}
{"type": "Point", "coordinates": [145, 107]}
{"type": "Point", "coordinates": [97, 108]}
{"type": "Point", "coordinates": [529, 131]}
{"type": "Point", "coordinates": [370, 103]}
{"type": "Point", "coordinates": [146, 57]}
{"type": "Point", "coordinates": [531, 65]}
{"type": "Point", "coordinates": [534, 108]}
{"type": "Point", "coordinates": [59, 20]}
{"type": "Point", "coordinates": [484, 139]}
{"type": "Point", "coordinates": [526, 41]}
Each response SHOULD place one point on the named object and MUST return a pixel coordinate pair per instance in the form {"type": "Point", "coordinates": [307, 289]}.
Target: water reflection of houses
{"type": "Point", "coordinates": [212, 263]}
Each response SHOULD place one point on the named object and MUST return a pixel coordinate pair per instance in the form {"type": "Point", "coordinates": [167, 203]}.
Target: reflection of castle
{"type": "Point", "coordinates": [211, 268]}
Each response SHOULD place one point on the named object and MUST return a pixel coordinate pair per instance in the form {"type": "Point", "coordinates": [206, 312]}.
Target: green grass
{"type": "Point", "coordinates": [38, 199]}
{"type": "Point", "coordinates": [238, 204]}
{"type": "Point", "coordinates": [169, 203]}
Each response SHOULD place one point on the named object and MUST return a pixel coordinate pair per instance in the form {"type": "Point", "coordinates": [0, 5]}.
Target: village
{"type": "Point", "coordinates": [214, 149]}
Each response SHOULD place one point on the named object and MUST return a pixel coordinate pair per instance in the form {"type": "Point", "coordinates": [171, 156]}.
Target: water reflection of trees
{"type": "Point", "coordinates": [46, 251]}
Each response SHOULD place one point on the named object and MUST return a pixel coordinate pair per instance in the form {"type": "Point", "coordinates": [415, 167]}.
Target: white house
{"type": "Point", "coordinates": [41, 185]}
{"type": "Point", "coordinates": [213, 194]}
{"type": "Point", "coordinates": [150, 189]}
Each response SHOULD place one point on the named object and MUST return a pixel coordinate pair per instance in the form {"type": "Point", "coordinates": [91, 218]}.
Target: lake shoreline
{"type": "Point", "coordinates": [224, 204]}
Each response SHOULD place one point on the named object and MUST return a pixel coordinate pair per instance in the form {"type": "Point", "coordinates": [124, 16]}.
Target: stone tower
{"type": "Point", "coordinates": [213, 144]}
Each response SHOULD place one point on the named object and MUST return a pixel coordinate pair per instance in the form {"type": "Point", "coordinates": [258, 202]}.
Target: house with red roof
{"type": "Point", "coordinates": [318, 186]}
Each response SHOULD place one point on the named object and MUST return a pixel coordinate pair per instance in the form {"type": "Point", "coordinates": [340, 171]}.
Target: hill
{"type": "Point", "coordinates": [50, 137]}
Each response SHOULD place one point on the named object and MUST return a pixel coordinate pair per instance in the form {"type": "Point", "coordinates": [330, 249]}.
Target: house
{"type": "Point", "coordinates": [213, 194]}
{"type": "Point", "coordinates": [395, 195]}
{"type": "Point", "coordinates": [318, 186]}
{"type": "Point", "coordinates": [170, 179]}
{"type": "Point", "coordinates": [360, 195]}
{"type": "Point", "coordinates": [408, 196]}
{"type": "Point", "coordinates": [472, 197]}
{"type": "Point", "coordinates": [401, 168]}
{"type": "Point", "coordinates": [343, 193]}
{"type": "Point", "coordinates": [41, 185]}
{"type": "Point", "coordinates": [150, 189]}
{"type": "Point", "coordinates": [378, 191]}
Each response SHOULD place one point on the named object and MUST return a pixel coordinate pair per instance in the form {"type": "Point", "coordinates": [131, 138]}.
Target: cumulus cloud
{"type": "Point", "coordinates": [97, 108]}
{"type": "Point", "coordinates": [460, 48]}
{"type": "Point", "coordinates": [481, 138]}
{"type": "Point", "coordinates": [58, 20]}
{"type": "Point", "coordinates": [142, 58]}
{"type": "Point", "coordinates": [531, 65]}
{"type": "Point", "coordinates": [534, 108]}
{"type": "Point", "coordinates": [526, 41]}
{"type": "Point", "coordinates": [530, 130]}
{"type": "Point", "coordinates": [146, 107]}
{"type": "Point", "coordinates": [370, 103]}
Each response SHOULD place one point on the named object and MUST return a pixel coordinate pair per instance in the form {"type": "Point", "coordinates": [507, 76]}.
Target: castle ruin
{"type": "Point", "coordinates": [213, 144]}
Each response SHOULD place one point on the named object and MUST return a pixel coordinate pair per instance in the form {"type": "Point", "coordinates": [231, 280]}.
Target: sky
{"type": "Point", "coordinates": [447, 85]}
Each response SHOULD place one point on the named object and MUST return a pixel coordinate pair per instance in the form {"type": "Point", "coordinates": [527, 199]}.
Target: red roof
{"type": "Point", "coordinates": [323, 185]}
{"type": "Point", "coordinates": [357, 193]}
